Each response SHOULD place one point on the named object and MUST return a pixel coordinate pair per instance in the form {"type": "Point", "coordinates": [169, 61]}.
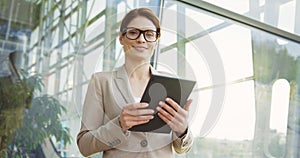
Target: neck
{"type": "Point", "coordinates": [138, 70]}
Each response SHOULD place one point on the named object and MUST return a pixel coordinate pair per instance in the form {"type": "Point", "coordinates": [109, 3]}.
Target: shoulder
{"type": "Point", "coordinates": [103, 76]}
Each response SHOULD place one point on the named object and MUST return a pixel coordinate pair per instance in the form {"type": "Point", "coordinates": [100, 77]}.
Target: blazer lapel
{"type": "Point", "coordinates": [122, 83]}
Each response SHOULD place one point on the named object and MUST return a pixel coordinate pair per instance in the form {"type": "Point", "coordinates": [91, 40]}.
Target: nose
{"type": "Point", "coordinates": [141, 38]}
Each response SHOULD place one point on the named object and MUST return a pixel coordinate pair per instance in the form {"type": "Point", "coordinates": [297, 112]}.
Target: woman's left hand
{"type": "Point", "coordinates": [174, 115]}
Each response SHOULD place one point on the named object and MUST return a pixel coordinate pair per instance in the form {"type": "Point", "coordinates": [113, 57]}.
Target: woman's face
{"type": "Point", "coordinates": [138, 49]}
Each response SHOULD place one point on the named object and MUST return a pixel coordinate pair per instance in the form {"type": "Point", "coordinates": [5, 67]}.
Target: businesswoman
{"type": "Point", "coordinates": [111, 105]}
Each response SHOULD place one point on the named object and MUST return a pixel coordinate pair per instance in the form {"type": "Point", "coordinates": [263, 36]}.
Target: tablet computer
{"type": "Point", "coordinates": [158, 89]}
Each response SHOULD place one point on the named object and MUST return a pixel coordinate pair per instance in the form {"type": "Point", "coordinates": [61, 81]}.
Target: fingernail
{"type": "Point", "coordinates": [160, 103]}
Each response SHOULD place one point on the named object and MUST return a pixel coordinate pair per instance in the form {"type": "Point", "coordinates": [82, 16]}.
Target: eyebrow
{"type": "Point", "coordinates": [140, 29]}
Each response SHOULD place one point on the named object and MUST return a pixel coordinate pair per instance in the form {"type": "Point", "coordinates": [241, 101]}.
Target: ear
{"type": "Point", "coordinates": [121, 38]}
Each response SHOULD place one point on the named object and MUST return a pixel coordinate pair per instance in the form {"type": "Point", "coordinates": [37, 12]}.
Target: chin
{"type": "Point", "coordinates": [142, 58]}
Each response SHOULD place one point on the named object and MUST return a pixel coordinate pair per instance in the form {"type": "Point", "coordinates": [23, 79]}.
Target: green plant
{"type": "Point", "coordinates": [15, 96]}
{"type": "Point", "coordinates": [40, 122]}
{"type": "Point", "coordinates": [26, 121]}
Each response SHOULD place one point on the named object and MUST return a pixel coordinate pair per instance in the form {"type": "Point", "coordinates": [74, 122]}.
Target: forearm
{"type": "Point", "coordinates": [88, 144]}
{"type": "Point", "coordinates": [105, 137]}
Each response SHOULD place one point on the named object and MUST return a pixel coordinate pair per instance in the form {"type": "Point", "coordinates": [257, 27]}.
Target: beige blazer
{"type": "Point", "coordinates": [100, 129]}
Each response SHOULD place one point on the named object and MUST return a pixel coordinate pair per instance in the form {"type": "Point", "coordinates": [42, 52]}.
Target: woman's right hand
{"type": "Point", "coordinates": [135, 114]}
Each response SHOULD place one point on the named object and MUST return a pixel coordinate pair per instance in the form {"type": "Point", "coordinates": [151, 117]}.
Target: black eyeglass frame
{"type": "Point", "coordinates": [142, 32]}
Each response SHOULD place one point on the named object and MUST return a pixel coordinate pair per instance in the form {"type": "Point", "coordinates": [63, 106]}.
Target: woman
{"type": "Point", "coordinates": [112, 105]}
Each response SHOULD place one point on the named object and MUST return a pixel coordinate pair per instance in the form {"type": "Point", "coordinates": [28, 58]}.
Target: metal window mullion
{"type": "Point", "coordinates": [60, 48]}
{"type": "Point", "coordinates": [154, 59]}
{"type": "Point", "coordinates": [40, 36]}
{"type": "Point", "coordinates": [78, 54]}
{"type": "Point", "coordinates": [297, 17]}
{"type": "Point", "coordinates": [109, 42]}
{"type": "Point", "coordinates": [180, 40]}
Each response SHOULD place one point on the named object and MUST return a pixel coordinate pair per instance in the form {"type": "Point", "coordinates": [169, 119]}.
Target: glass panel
{"type": "Point", "coordinates": [34, 37]}
{"type": "Point", "coordinates": [95, 29]}
{"type": "Point", "coordinates": [237, 121]}
{"type": "Point", "coordinates": [272, 12]}
{"type": "Point", "coordinates": [65, 81]}
{"type": "Point", "coordinates": [280, 106]}
{"type": "Point", "coordinates": [65, 49]}
{"type": "Point", "coordinates": [236, 67]}
{"type": "Point", "coordinates": [276, 58]}
{"type": "Point", "coordinates": [68, 3]}
{"type": "Point", "coordinates": [66, 28]}
{"type": "Point", "coordinates": [56, 13]}
{"type": "Point", "coordinates": [51, 84]}
{"type": "Point", "coordinates": [241, 120]}
{"type": "Point", "coordinates": [94, 8]}
{"type": "Point", "coordinates": [74, 22]}
{"type": "Point", "coordinates": [93, 62]}
{"type": "Point", "coordinates": [41, 61]}
{"type": "Point", "coordinates": [53, 57]}
{"type": "Point", "coordinates": [240, 7]}
{"type": "Point", "coordinates": [55, 38]}
{"type": "Point", "coordinates": [209, 44]}
{"type": "Point", "coordinates": [166, 61]}
{"type": "Point", "coordinates": [32, 56]}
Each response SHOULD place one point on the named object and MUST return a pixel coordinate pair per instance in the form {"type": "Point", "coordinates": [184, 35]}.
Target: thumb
{"type": "Point", "coordinates": [187, 104]}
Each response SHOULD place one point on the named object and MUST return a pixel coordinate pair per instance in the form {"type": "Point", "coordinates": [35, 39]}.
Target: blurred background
{"type": "Point", "coordinates": [245, 56]}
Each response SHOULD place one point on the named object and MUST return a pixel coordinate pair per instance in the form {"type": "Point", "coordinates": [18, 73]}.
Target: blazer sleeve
{"type": "Point", "coordinates": [95, 135]}
{"type": "Point", "coordinates": [183, 144]}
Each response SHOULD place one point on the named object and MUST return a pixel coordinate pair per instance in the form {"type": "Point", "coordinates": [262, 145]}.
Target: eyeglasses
{"type": "Point", "coordinates": [134, 33]}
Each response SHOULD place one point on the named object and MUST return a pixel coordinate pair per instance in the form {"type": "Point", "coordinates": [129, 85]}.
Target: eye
{"type": "Point", "coordinates": [133, 32]}
{"type": "Point", "coordinates": [150, 34]}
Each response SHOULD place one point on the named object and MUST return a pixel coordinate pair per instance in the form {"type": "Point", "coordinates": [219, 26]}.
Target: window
{"type": "Point", "coordinates": [241, 123]}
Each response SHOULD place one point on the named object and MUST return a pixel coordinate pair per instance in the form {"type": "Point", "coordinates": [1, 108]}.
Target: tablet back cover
{"type": "Point", "coordinates": [158, 89]}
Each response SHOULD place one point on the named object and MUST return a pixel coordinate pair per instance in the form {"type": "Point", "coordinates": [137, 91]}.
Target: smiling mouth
{"type": "Point", "coordinates": [140, 48]}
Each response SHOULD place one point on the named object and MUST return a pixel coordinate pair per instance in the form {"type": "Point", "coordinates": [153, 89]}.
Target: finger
{"type": "Point", "coordinates": [173, 104]}
{"type": "Point", "coordinates": [127, 117]}
{"type": "Point", "coordinates": [137, 112]}
{"type": "Point", "coordinates": [128, 121]}
{"type": "Point", "coordinates": [134, 123]}
{"type": "Point", "coordinates": [167, 108]}
{"type": "Point", "coordinates": [187, 104]}
{"type": "Point", "coordinates": [141, 118]}
{"type": "Point", "coordinates": [129, 124]}
{"type": "Point", "coordinates": [164, 113]}
{"type": "Point", "coordinates": [136, 106]}
{"type": "Point", "coordinates": [180, 118]}
{"type": "Point", "coordinates": [173, 124]}
{"type": "Point", "coordinates": [164, 118]}
{"type": "Point", "coordinates": [171, 114]}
